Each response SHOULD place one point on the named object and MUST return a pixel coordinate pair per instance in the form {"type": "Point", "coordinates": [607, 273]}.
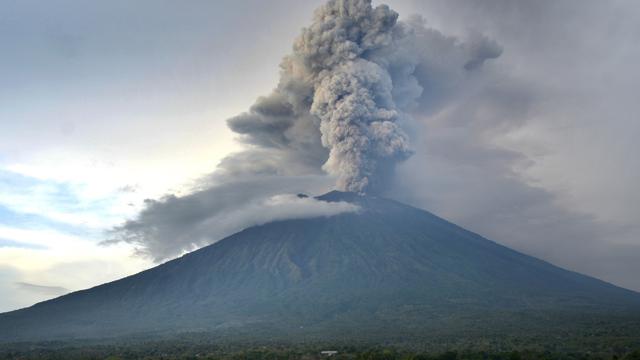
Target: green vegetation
{"type": "Point", "coordinates": [605, 344]}
{"type": "Point", "coordinates": [185, 350]}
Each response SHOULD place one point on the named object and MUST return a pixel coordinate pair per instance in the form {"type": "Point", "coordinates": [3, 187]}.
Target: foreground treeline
{"type": "Point", "coordinates": [180, 351]}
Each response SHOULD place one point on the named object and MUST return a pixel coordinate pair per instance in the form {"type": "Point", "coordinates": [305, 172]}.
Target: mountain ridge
{"type": "Point", "coordinates": [388, 266]}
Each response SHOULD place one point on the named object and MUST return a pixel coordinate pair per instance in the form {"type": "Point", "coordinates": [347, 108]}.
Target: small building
{"type": "Point", "coordinates": [328, 352]}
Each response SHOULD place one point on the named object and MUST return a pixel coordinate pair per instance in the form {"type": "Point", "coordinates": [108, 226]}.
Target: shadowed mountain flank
{"type": "Point", "coordinates": [386, 270]}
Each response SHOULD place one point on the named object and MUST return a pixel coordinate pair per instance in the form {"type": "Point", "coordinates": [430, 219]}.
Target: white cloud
{"type": "Point", "coordinates": [63, 261]}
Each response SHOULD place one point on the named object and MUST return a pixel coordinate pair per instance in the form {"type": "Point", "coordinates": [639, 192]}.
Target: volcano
{"type": "Point", "coordinates": [388, 270]}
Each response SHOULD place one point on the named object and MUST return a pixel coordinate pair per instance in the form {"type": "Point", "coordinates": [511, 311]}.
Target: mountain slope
{"type": "Point", "coordinates": [387, 268]}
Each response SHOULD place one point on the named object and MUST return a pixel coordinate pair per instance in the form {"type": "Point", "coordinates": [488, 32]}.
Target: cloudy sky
{"type": "Point", "coordinates": [525, 130]}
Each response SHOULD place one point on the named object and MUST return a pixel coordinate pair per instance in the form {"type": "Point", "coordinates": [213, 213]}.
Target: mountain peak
{"type": "Point", "coordinates": [336, 195]}
{"type": "Point", "coordinates": [370, 203]}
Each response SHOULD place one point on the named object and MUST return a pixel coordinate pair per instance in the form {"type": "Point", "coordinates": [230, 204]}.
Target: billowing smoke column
{"type": "Point", "coordinates": [332, 79]}
{"type": "Point", "coordinates": [353, 78]}
{"type": "Point", "coordinates": [352, 97]}
{"type": "Point", "coordinates": [357, 122]}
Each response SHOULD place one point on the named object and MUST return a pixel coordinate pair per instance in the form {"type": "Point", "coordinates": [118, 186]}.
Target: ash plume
{"type": "Point", "coordinates": [344, 105]}
{"type": "Point", "coordinates": [348, 88]}
{"type": "Point", "coordinates": [337, 79]}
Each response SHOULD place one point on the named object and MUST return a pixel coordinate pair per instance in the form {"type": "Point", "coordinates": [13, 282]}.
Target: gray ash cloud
{"type": "Point", "coordinates": [340, 117]}
{"type": "Point", "coordinates": [346, 89]}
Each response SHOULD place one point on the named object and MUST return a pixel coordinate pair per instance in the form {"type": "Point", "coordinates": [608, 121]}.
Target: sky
{"type": "Point", "coordinates": [116, 154]}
